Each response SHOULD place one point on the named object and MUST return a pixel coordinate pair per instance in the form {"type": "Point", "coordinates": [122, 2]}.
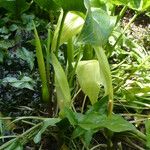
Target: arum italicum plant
{"type": "Point", "coordinates": [94, 31]}
{"type": "Point", "coordinates": [90, 30]}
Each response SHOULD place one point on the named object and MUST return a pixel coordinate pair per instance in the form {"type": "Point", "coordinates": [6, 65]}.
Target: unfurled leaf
{"type": "Point", "coordinates": [97, 27]}
{"type": "Point", "coordinates": [47, 122]}
{"type": "Point", "coordinates": [41, 67]}
{"type": "Point", "coordinates": [105, 72]}
{"type": "Point", "coordinates": [72, 26]}
{"type": "Point", "coordinates": [25, 82]}
{"type": "Point", "coordinates": [61, 83]}
{"type": "Point", "coordinates": [88, 74]}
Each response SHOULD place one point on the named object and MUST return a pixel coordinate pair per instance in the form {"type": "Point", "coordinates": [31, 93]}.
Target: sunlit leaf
{"type": "Point", "coordinates": [119, 2]}
{"type": "Point", "coordinates": [88, 75]}
{"type": "Point", "coordinates": [105, 72]}
{"type": "Point", "coordinates": [97, 27]}
{"type": "Point", "coordinates": [72, 26]}
{"type": "Point", "coordinates": [114, 123]}
{"type": "Point", "coordinates": [61, 83]}
{"type": "Point", "coordinates": [139, 5]}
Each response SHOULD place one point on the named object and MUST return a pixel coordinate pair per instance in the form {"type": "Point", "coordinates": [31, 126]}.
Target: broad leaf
{"type": "Point", "coordinates": [47, 122]}
{"type": "Point", "coordinates": [72, 25]}
{"type": "Point", "coordinates": [99, 4]}
{"type": "Point", "coordinates": [114, 123]}
{"type": "Point", "coordinates": [88, 74]}
{"type": "Point", "coordinates": [139, 5]}
{"type": "Point", "coordinates": [47, 5]}
{"type": "Point", "coordinates": [15, 6]}
{"type": "Point", "coordinates": [97, 27]}
{"type": "Point", "coordinates": [70, 115]}
{"type": "Point", "coordinates": [26, 55]}
{"type": "Point", "coordinates": [61, 83]}
{"type": "Point", "coordinates": [25, 82]}
{"type": "Point", "coordinates": [100, 106]}
{"type": "Point", "coordinates": [71, 5]}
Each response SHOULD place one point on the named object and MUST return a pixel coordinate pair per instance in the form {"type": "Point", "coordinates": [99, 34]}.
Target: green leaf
{"type": "Point", "coordinates": [71, 5]}
{"type": "Point", "coordinates": [25, 82]}
{"type": "Point", "coordinates": [88, 75]}
{"type": "Point", "coordinates": [119, 2]}
{"type": "Point", "coordinates": [71, 116]}
{"type": "Point", "coordinates": [47, 122]}
{"type": "Point", "coordinates": [99, 4]}
{"type": "Point", "coordinates": [2, 54]}
{"type": "Point", "coordinates": [114, 123]}
{"type": "Point", "coordinates": [26, 55]}
{"type": "Point", "coordinates": [97, 27]}
{"type": "Point", "coordinates": [100, 106]}
{"type": "Point", "coordinates": [72, 25]}
{"type": "Point", "coordinates": [61, 83]}
{"type": "Point", "coordinates": [105, 72]}
{"type": "Point", "coordinates": [15, 146]}
{"type": "Point", "coordinates": [78, 131]}
{"type": "Point", "coordinates": [6, 44]}
{"type": "Point", "coordinates": [87, 137]}
{"type": "Point", "coordinates": [15, 6]}
{"type": "Point", "coordinates": [147, 125]}
{"type": "Point", "coordinates": [47, 5]}
{"type": "Point", "coordinates": [139, 5]}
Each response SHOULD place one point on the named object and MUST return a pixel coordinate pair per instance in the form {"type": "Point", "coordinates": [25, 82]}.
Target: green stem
{"type": "Point", "coordinates": [126, 27]}
{"type": "Point", "coordinates": [70, 52]}
{"type": "Point", "coordinates": [71, 75]}
{"type": "Point", "coordinates": [59, 32]}
{"type": "Point", "coordinates": [48, 59]}
{"type": "Point", "coordinates": [121, 14]}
